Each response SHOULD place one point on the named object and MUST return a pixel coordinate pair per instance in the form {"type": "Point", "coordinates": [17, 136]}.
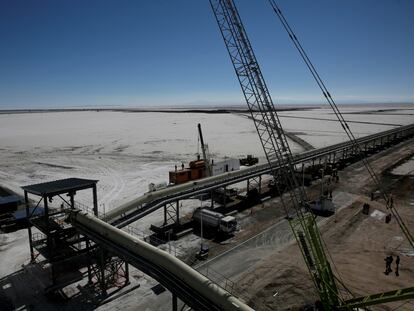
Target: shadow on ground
{"type": "Point", "coordinates": [25, 290]}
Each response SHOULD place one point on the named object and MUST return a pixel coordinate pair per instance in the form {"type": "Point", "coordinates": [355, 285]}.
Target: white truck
{"type": "Point", "coordinates": [215, 221]}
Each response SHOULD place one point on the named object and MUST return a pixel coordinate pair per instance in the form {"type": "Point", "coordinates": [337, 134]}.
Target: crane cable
{"type": "Point", "coordinates": [321, 86]}
{"type": "Point", "coordinates": [388, 199]}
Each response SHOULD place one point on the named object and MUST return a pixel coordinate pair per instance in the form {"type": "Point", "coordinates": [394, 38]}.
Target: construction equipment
{"type": "Point", "coordinates": [206, 154]}
{"type": "Point", "coordinates": [276, 149]}
{"type": "Point", "coordinates": [215, 221]}
{"type": "Point", "coordinates": [324, 205]}
{"type": "Point", "coordinates": [249, 160]}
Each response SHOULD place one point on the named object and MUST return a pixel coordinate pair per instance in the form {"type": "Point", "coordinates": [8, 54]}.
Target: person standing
{"type": "Point", "coordinates": [388, 262]}
{"type": "Point", "coordinates": [387, 265]}
{"type": "Point", "coordinates": [397, 268]}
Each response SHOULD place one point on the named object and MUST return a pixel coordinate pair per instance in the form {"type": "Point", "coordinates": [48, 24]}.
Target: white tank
{"type": "Point", "coordinates": [215, 220]}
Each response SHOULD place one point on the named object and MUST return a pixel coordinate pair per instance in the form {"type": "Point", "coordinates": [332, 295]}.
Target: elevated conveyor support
{"type": "Point", "coordinates": [190, 286]}
{"type": "Point", "coordinates": [149, 202]}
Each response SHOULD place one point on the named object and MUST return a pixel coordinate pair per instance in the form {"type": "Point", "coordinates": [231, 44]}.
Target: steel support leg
{"type": "Point", "coordinates": [126, 273]}
{"type": "Point", "coordinates": [102, 273]}
{"type": "Point", "coordinates": [88, 251]}
{"type": "Point", "coordinates": [171, 213]}
{"type": "Point", "coordinates": [29, 228]}
{"type": "Point", "coordinates": [260, 184]}
{"type": "Point", "coordinates": [225, 196]}
{"type": "Point", "coordinates": [174, 303]}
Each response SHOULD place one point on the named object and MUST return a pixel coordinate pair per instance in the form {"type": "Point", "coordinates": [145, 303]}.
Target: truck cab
{"type": "Point", "coordinates": [228, 224]}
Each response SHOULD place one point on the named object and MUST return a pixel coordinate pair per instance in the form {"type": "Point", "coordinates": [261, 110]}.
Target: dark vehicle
{"type": "Point", "coordinates": [249, 160]}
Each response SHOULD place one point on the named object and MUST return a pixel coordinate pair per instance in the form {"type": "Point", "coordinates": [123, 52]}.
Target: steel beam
{"type": "Point", "coordinates": [394, 295]}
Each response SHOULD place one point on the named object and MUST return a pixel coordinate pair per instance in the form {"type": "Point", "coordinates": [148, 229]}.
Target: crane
{"type": "Point", "coordinates": [386, 196]}
{"type": "Point", "coordinates": [276, 148]}
{"type": "Point", "coordinates": [204, 149]}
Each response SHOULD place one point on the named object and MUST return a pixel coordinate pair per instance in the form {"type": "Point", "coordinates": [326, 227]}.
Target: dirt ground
{"type": "Point", "coordinates": [356, 242]}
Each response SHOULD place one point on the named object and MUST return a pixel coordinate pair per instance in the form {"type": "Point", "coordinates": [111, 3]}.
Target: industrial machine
{"type": "Point", "coordinates": [215, 221]}
{"type": "Point", "coordinates": [277, 150]}
{"type": "Point", "coordinates": [323, 206]}
{"type": "Point", "coordinates": [249, 160]}
{"type": "Point", "coordinates": [204, 167]}
{"type": "Point", "coordinates": [204, 150]}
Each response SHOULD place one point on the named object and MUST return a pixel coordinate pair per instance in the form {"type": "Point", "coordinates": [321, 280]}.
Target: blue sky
{"type": "Point", "coordinates": [78, 53]}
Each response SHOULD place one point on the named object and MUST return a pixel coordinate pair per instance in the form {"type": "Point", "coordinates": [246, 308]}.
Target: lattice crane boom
{"type": "Point", "coordinates": [357, 148]}
{"type": "Point", "coordinates": [275, 146]}
{"type": "Point", "coordinates": [277, 151]}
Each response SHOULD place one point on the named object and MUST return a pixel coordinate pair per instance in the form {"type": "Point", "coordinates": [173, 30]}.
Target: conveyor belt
{"type": "Point", "coordinates": [150, 202]}
{"type": "Point", "coordinates": [183, 281]}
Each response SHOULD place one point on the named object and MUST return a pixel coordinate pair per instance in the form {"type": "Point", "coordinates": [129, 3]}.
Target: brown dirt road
{"type": "Point", "coordinates": [357, 243]}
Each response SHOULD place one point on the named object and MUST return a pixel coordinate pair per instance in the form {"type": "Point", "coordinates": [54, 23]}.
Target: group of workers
{"type": "Point", "coordinates": [388, 261]}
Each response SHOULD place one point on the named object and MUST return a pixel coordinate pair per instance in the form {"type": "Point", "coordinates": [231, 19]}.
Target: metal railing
{"type": "Point", "coordinates": [218, 278]}
{"type": "Point", "coordinates": [38, 238]}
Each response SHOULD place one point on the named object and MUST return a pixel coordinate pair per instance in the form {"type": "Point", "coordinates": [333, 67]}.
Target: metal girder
{"type": "Point", "coordinates": [108, 271]}
{"type": "Point", "coordinates": [308, 237]}
{"type": "Point", "coordinates": [394, 295]}
{"type": "Point", "coordinates": [171, 213]}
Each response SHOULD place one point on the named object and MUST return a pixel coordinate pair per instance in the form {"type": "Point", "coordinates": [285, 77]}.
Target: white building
{"type": "Point", "coordinates": [224, 166]}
